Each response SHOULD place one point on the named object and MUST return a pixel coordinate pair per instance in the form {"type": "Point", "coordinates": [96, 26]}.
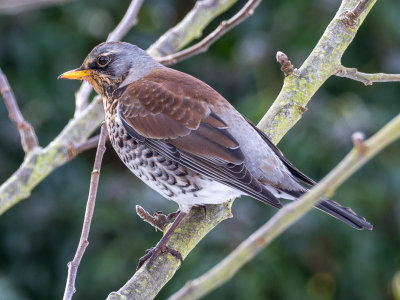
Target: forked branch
{"type": "Point", "coordinates": [29, 140]}
{"type": "Point", "coordinates": [205, 43]}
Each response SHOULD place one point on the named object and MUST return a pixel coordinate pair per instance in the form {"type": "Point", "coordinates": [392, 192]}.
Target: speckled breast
{"type": "Point", "coordinates": [165, 176]}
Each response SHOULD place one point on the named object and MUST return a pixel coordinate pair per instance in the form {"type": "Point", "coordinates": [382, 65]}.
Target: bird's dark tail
{"type": "Point", "coordinates": [344, 214]}
{"type": "Point", "coordinates": [330, 207]}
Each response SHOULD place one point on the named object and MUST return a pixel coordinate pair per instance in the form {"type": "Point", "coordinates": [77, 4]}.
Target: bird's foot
{"type": "Point", "coordinates": [162, 247]}
{"type": "Point", "coordinates": [153, 253]}
{"type": "Point", "coordinates": [158, 220]}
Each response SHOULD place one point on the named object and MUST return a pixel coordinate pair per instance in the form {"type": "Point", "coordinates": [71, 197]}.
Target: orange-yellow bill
{"type": "Point", "coordinates": [75, 74]}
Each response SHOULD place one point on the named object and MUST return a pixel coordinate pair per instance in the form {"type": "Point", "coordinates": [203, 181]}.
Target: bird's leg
{"type": "Point", "coordinates": [161, 246]}
{"type": "Point", "coordinates": [158, 220]}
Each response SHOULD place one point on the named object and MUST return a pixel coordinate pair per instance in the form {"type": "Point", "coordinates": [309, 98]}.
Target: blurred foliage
{"type": "Point", "coordinates": [318, 258]}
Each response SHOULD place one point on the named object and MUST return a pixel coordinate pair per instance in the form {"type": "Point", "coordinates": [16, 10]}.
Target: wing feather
{"type": "Point", "coordinates": [181, 125]}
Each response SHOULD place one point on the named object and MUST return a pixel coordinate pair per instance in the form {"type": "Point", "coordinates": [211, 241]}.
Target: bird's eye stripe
{"type": "Point", "coordinates": [103, 60]}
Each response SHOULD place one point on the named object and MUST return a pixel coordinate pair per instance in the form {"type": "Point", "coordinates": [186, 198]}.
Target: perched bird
{"type": "Point", "coordinates": [186, 141]}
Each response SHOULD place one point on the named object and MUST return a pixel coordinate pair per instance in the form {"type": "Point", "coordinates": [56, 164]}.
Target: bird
{"type": "Point", "coordinates": [186, 141]}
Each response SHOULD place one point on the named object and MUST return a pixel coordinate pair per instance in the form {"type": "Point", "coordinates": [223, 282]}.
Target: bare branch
{"type": "Point", "coordinates": [145, 284]}
{"type": "Point", "coordinates": [205, 43]}
{"type": "Point", "coordinates": [42, 162]}
{"type": "Point", "coordinates": [29, 140]}
{"type": "Point", "coordinates": [190, 28]}
{"type": "Point", "coordinates": [83, 242]}
{"type": "Point", "coordinates": [366, 78]}
{"type": "Point", "coordinates": [83, 146]}
{"type": "Point", "coordinates": [322, 63]}
{"type": "Point", "coordinates": [288, 215]}
{"type": "Point", "coordinates": [16, 6]}
{"type": "Point", "coordinates": [128, 21]}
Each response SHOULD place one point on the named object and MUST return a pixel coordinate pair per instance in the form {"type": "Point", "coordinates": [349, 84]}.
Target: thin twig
{"type": "Point", "coordinates": [288, 215]}
{"type": "Point", "coordinates": [366, 78]}
{"type": "Point", "coordinates": [16, 6]}
{"type": "Point", "coordinates": [29, 140]}
{"type": "Point", "coordinates": [83, 146]}
{"type": "Point", "coordinates": [83, 241]}
{"type": "Point", "coordinates": [128, 21]}
{"type": "Point", "coordinates": [190, 27]}
{"type": "Point", "coordinates": [205, 43]}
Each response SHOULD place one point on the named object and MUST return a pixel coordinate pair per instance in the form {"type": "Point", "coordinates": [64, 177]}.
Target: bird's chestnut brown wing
{"type": "Point", "coordinates": [168, 112]}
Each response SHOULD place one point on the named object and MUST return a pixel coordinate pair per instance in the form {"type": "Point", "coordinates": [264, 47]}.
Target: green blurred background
{"type": "Point", "coordinates": [317, 258]}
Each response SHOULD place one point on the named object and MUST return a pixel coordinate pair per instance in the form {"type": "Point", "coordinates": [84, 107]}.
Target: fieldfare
{"type": "Point", "coordinates": [186, 141]}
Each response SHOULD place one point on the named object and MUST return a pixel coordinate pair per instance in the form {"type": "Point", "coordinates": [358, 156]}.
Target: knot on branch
{"type": "Point", "coordinates": [349, 19]}
{"type": "Point", "coordinates": [286, 65]}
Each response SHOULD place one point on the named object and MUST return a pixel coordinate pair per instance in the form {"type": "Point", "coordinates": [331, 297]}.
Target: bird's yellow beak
{"type": "Point", "coordinates": [75, 74]}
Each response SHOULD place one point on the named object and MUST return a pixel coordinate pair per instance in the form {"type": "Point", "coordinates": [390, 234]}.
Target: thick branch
{"type": "Point", "coordinates": [323, 62]}
{"type": "Point", "coordinates": [128, 21]}
{"type": "Point", "coordinates": [146, 284]}
{"type": "Point", "coordinates": [190, 28]}
{"type": "Point", "coordinates": [83, 241]}
{"type": "Point", "coordinates": [205, 43]}
{"type": "Point", "coordinates": [288, 215]}
{"type": "Point", "coordinates": [366, 78]}
{"type": "Point", "coordinates": [29, 140]}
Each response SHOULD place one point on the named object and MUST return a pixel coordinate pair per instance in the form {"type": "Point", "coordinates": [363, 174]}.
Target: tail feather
{"type": "Point", "coordinates": [344, 214]}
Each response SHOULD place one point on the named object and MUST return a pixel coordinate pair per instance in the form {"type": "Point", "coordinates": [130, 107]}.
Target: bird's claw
{"type": "Point", "coordinates": [153, 253]}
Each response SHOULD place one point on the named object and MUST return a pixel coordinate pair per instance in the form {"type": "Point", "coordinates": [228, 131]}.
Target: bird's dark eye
{"type": "Point", "coordinates": [103, 60]}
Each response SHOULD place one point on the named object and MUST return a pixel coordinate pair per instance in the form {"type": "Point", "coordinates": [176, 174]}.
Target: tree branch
{"type": "Point", "coordinates": [205, 43]}
{"type": "Point", "coordinates": [190, 28]}
{"type": "Point", "coordinates": [41, 162]}
{"type": "Point", "coordinates": [16, 6]}
{"type": "Point", "coordinates": [367, 79]}
{"type": "Point", "coordinates": [83, 241]}
{"type": "Point", "coordinates": [128, 21]}
{"type": "Point", "coordinates": [29, 140]}
{"type": "Point", "coordinates": [146, 284]}
{"type": "Point", "coordinates": [289, 214]}
{"type": "Point", "coordinates": [323, 62]}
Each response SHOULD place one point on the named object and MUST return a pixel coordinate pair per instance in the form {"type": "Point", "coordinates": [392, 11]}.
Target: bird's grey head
{"type": "Point", "coordinates": [112, 65]}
